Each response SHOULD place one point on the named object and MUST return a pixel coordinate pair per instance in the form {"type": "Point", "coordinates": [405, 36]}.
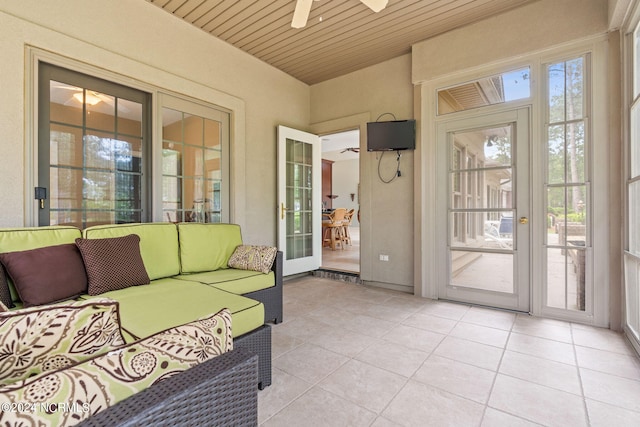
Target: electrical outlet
{"type": "Point", "coordinates": [384, 257]}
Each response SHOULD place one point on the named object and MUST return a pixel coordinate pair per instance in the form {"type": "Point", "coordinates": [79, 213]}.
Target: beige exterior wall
{"type": "Point", "coordinates": [386, 210]}
{"type": "Point", "coordinates": [532, 27]}
{"type": "Point", "coordinates": [145, 44]}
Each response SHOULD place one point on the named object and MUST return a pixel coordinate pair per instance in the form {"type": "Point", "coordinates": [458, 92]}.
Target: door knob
{"type": "Point", "coordinates": [524, 220]}
{"type": "Point", "coordinates": [282, 210]}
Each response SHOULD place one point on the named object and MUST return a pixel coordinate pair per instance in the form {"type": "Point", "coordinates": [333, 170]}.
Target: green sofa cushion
{"type": "Point", "coordinates": [231, 280]}
{"type": "Point", "coordinates": [158, 244]}
{"type": "Point", "coordinates": [90, 387]}
{"type": "Point", "coordinates": [27, 238]}
{"type": "Point", "coordinates": [207, 247]}
{"type": "Point", "coordinates": [145, 310]}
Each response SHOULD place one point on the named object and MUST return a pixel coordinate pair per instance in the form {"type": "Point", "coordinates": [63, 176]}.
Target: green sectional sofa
{"type": "Point", "coordinates": [189, 279]}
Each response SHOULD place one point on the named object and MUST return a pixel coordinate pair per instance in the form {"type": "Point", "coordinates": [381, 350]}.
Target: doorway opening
{"type": "Point", "coordinates": [341, 202]}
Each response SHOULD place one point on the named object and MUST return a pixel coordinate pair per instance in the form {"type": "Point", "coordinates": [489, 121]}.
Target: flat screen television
{"type": "Point", "coordinates": [392, 135]}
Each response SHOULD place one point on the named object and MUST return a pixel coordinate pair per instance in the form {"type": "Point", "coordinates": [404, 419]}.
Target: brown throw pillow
{"type": "Point", "coordinates": [255, 258]}
{"type": "Point", "coordinates": [113, 263]}
{"type": "Point", "coordinates": [46, 275]}
{"type": "Point", "coordinates": [5, 293]}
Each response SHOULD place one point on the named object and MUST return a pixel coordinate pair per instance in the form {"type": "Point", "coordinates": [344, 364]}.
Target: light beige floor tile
{"type": "Point", "coordinates": [383, 422]}
{"type": "Point", "coordinates": [458, 378]}
{"type": "Point", "coordinates": [541, 371]}
{"type": "Point", "coordinates": [481, 334]}
{"type": "Point", "coordinates": [537, 403]}
{"type": "Point", "coordinates": [609, 362]}
{"type": "Point", "coordinates": [446, 309]}
{"type": "Point", "coordinates": [393, 357]}
{"type": "Point", "coordinates": [363, 384]}
{"type": "Point", "coordinates": [358, 323]}
{"type": "Point", "coordinates": [415, 338]}
{"type": "Point", "coordinates": [282, 343]}
{"type": "Point", "coordinates": [309, 362]}
{"type": "Point", "coordinates": [283, 390]}
{"type": "Point", "coordinates": [476, 354]}
{"type": "Point", "coordinates": [543, 328]}
{"type": "Point", "coordinates": [617, 391]}
{"type": "Point", "coordinates": [605, 415]}
{"type": "Point", "coordinates": [542, 347]}
{"type": "Point", "coordinates": [318, 407]}
{"type": "Point", "coordinates": [602, 339]}
{"type": "Point", "coordinates": [421, 405]}
{"type": "Point", "coordinates": [430, 323]}
{"type": "Point", "coordinates": [302, 328]}
{"type": "Point", "coordinates": [491, 318]}
{"type": "Point", "coordinates": [343, 341]}
{"type": "Point", "coordinates": [495, 418]}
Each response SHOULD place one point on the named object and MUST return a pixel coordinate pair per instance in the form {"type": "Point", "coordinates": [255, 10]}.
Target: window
{"type": "Point", "coordinates": [632, 253]}
{"type": "Point", "coordinates": [195, 153]}
{"type": "Point", "coordinates": [93, 150]}
{"type": "Point", "coordinates": [567, 190]}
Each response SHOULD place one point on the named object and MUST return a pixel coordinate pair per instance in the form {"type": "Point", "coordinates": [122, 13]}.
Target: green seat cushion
{"type": "Point", "coordinates": [158, 244]}
{"type": "Point", "coordinates": [147, 309]}
{"type": "Point", "coordinates": [231, 280]}
{"type": "Point", "coordinates": [207, 247]}
{"type": "Point", "coordinates": [27, 238]}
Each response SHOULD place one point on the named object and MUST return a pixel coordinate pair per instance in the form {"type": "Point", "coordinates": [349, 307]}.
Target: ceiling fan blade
{"type": "Point", "coordinates": [375, 5]}
{"type": "Point", "coordinates": [301, 14]}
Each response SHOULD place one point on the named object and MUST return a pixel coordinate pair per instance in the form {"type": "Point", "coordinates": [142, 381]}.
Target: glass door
{"type": "Point", "coordinates": [299, 200]}
{"type": "Point", "coordinates": [93, 150]}
{"type": "Point", "coordinates": [487, 209]}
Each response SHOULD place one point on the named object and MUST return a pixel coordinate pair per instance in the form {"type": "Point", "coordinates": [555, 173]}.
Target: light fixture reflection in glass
{"type": "Point", "coordinates": [90, 98]}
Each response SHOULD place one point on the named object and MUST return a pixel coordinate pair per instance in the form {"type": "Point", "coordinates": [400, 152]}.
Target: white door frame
{"type": "Point", "coordinates": [293, 262]}
{"type": "Point", "coordinates": [520, 299]}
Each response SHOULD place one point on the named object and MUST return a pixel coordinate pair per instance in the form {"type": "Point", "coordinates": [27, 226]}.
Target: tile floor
{"type": "Point", "coordinates": [349, 355]}
{"type": "Point", "coordinates": [347, 259]}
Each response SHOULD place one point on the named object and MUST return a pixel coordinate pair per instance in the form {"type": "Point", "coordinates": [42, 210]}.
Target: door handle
{"type": "Point", "coordinates": [524, 220]}
{"type": "Point", "coordinates": [282, 210]}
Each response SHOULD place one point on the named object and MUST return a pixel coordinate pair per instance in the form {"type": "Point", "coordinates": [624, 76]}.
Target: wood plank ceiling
{"type": "Point", "coordinates": [341, 36]}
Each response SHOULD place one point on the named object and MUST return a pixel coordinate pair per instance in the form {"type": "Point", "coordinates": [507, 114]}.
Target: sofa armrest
{"type": "Point", "coordinates": [277, 268]}
{"type": "Point", "coordinates": [220, 391]}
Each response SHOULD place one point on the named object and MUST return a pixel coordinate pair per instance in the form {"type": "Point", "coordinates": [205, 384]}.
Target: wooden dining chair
{"type": "Point", "coordinates": [348, 217]}
{"type": "Point", "coordinates": [334, 228]}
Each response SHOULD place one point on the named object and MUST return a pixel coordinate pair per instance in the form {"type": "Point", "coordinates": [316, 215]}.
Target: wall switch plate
{"type": "Point", "coordinates": [384, 257]}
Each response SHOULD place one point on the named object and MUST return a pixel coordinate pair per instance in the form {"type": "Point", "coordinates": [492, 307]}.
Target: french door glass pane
{"type": "Point", "coordinates": [634, 146]}
{"type": "Point", "coordinates": [95, 156]}
{"type": "Point", "coordinates": [299, 200]}
{"type": "Point", "coordinates": [192, 167]}
{"type": "Point", "coordinates": [632, 294]}
{"type": "Point", "coordinates": [634, 218]}
{"type": "Point", "coordinates": [567, 234]}
{"type": "Point", "coordinates": [481, 231]}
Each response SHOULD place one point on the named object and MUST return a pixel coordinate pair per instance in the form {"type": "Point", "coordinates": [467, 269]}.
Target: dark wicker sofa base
{"type": "Point", "coordinates": [271, 297]}
{"type": "Point", "coordinates": [258, 342]}
{"type": "Point", "coordinates": [219, 392]}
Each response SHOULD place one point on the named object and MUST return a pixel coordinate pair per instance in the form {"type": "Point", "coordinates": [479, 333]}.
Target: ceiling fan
{"type": "Point", "coordinates": [303, 8]}
{"type": "Point", "coordinates": [353, 149]}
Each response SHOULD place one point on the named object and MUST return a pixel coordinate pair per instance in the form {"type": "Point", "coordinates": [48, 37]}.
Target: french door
{"type": "Point", "coordinates": [299, 200]}
{"type": "Point", "coordinates": [93, 150]}
{"type": "Point", "coordinates": [483, 210]}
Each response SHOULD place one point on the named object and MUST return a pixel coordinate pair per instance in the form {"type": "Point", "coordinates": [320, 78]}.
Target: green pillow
{"type": "Point", "coordinates": [105, 380]}
{"type": "Point", "coordinates": [207, 247]}
{"type": "Point", "coordinates": [38, 339]}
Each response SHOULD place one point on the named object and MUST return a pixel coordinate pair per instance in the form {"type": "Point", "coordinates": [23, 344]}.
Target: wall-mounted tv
{"type": "Point", "coordinates": [392, 135]}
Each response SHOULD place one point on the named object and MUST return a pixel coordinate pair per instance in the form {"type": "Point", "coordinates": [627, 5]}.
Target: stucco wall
{"type": "Point", "coordinates": [386, 210]}
{"type": "Point", "coordinates": [140, 41]}
{"type": "Point", "coordinates": [531, 27]}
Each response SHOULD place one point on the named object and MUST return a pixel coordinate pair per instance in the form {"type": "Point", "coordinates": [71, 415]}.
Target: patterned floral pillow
{"type": "Point", "coordinates": [105, 380]}
{"type": "Point", "coordinates": [38, 339]}
{"type": "Point", "coordinates": [255, 258]}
